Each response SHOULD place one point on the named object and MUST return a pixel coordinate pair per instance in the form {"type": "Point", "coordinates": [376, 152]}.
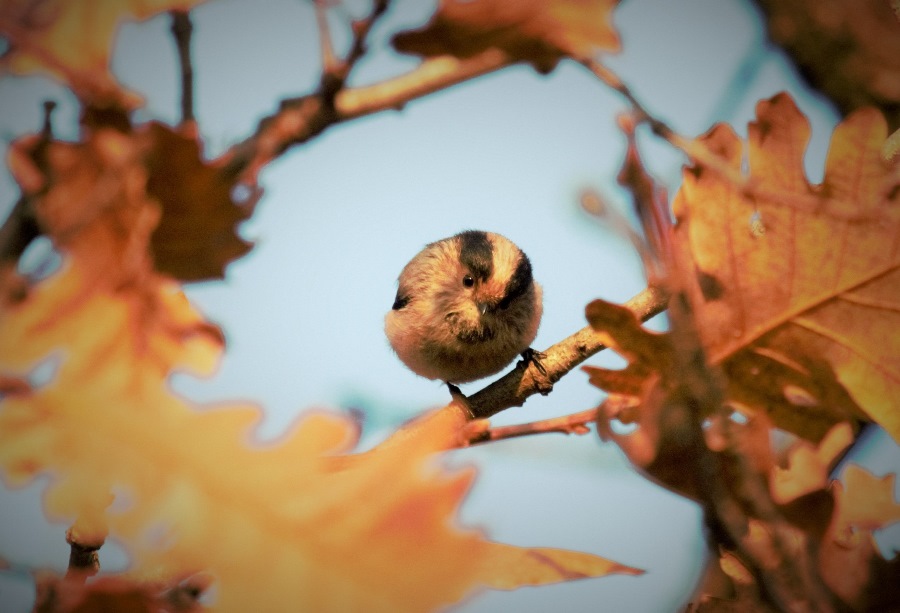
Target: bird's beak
{"type": "Point", "coordinates": [483, 307]}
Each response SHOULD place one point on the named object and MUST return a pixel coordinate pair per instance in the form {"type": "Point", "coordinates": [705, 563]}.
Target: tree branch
{"type": "Point", "coordinates": [513, 389]}
{"type": "Point", "coordinates": [577, 423]}
{"type": "Point", "coordinates": [21, 226]}
{"type": "Point", "coordinates": [300, 119]}
{"type": "Point", "coordinates": [181, 30]}
{"type": "Point", "coordinates": [701, 155]}
{"type": "Point", "coordinates": [83, 559]}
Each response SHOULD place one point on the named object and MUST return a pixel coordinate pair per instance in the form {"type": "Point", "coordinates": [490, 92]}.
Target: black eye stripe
{"type": "Point", "coordinates": [476, 253]}
{"type": "Point", "coordinates": [519, 282]}
{"type": "Point", "coordinates": [400, 301]}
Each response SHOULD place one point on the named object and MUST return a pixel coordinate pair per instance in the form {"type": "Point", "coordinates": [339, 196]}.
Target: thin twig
{"type": "Point", "coordinates": [300, 119]}
{"type": "Point", "coordinates": [527, 379]}
{"type": "Point", "coordinates": [83, 558]}
{"type": "Point", "coordinates": [576, 423]}
{"type": "Point", "coordinates": [701, 155]}
{"type": "Point", "coordinates": [181, 30]}
{"type": "Point", "coordinates": [21, 226]}
{"type": "Point", "coordinates": [326, 47]}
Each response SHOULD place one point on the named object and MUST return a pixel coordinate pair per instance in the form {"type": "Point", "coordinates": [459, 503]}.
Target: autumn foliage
{"type": "Point", "coordinates": [782, 298]}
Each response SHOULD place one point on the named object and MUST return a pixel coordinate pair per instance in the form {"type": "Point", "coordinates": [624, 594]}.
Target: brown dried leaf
{"type": "Point", "coordinates": [540, 32]}
{"type": "Point", "coordinates": [73, 41]}
{"type": "Point", "coordinates": [847, 49]}
{"type": "Point", "coordinates": [113, 196]}
{"type": "Point", "coordinates": [823, 279]}
{"type": "Point", "coordinates": [196, 236]}
{"type": "Point", "coordinates": [70, 594]}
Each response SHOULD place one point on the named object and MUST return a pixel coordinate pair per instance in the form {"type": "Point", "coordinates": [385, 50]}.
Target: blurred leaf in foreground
{"type": "Point", "coordinates": [540, 32]}
{"type": "Point", "coordinates": [298, 522]}
{"type": "Point", "coordinates": [73, 42]}
{"type": "Point", "coordinates": [808, 276]}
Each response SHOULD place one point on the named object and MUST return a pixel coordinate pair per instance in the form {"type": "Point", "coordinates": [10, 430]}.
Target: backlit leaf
{"type": "Point", "coordinates": [298, 523]}
{"type": "Point", "coordinates": [73, 41]}
{"type": "Point", "coordinates": [821, 284]}
{"type": "Point", "coordinates": [537, 31]}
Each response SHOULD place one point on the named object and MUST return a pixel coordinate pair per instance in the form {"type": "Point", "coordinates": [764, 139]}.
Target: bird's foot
{"type": "Point", "coordinates": [533, 356]}
{"type": "Point", "coordinates": [455, 391]}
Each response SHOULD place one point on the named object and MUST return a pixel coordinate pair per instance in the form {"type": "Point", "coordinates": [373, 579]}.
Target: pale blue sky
{"type": "Point", "coordinates": [508, 152]}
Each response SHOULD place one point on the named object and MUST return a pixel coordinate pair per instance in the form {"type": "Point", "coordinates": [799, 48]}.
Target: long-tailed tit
{"type": "Point", "coordinates": [466, 306]}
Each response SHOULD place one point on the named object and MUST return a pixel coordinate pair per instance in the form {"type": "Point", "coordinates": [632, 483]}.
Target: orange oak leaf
{"type": "Point", "coordinates": [849, 560]}
{"type": "Point", "coordinates": [300, 521]}
{"type": "Point", "coordinates": [187, 489]}
{"type": "Point", "coordinates": [865, 502]}
{"type": "Point", "coordinates": [809, 274]}
{"type": "Point", "coordinates": [153, 182]}
{"type": "Point", "coordinates": [536, 31]}
{"type": "Point", "coordinates": [73, 41]}
{"type": "Point", "coordinates": [808, 466]}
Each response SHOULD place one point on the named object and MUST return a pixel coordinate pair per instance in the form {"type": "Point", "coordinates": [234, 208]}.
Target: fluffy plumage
{"type": "Point", "coordinates": [466, 306]}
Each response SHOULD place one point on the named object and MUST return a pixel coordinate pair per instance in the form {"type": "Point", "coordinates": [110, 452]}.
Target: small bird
{"type": "Point", "coordinates": [466, 306]}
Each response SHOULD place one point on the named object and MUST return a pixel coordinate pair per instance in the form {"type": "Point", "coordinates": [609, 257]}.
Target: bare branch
{"type": "Point", "coordinates": [83, 559]}
{"type": "Point", "coordinates": [577, 423]}
{"type": "Point", "coordinates": [513, 389]}
{"type": "Point", "coordinates": [701, 155]}
{"type": "Point", "coordinates": [300, 119]}
{"type": "Point", "coordinates": [326, 47]}
{"type": "Point", "coordinates": [181, 30]}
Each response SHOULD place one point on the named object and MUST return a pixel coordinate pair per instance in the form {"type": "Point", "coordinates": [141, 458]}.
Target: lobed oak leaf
{"type": "Point", "coordinates": [201, 207]}
{"type": "Point", "coordinates": [865, 502]}
{"type": "Point", "coordinates": [327, 534]}
{"type": "Point", "coordinates": [849, 561]}
{"type": "Point", "coordinates": [818, 285]}
{"type": "Point", "coordinates": [536, 31]}
{"type": "Point", "coordinates": [73, 42]}
{"type": "Point", "coordinates": [808, 466]}
{"type": "Point", "coordinates": [847, 49]}
{"type": "Point", "coordinates": [185, 488]}
{"type": "Point", "coordinates": [114, 197]}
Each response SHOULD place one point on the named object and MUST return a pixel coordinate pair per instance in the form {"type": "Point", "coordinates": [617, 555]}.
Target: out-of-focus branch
{"type": "Point", "coordinates": [21, 226]}
{"type": "Point", "coordinates": [577, 423]}
{"type": "Point", "coordinates": [326, 47]}
{"type": "Point", "coordinates": [300, 119]}
{"type": "Point", "coordinates": [701, 155]}
{"type": "Point", "coordinates": [83, 559]}
{"type": "Point", "coordinates": [181, 30]}
{"type": "Point", "coordinates": [530, 378]}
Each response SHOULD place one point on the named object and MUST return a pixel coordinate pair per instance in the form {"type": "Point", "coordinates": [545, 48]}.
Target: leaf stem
{"type": "Point", "coordinates": [181, 30]}
{"type": "Point", "coordinates": [576, 423]}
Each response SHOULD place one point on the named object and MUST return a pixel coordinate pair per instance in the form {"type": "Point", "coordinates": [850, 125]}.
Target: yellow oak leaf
{"type": "Point", "coordinates": [186, 488]}
{"type": "Point", "coordinates": [865, 502]}
{"type": "Point", "coordinates": [808, 273]}
{"type": "Point", "coordinates": [849, 560]}
{"type": "Point", "coordinates": [73, 41]}
{"type": "Point", "coordinates": [300, 522]}
{"type": "Point", "coordinates": [809, 466]}
{"type": "Point", "coordinates": [537, 31]}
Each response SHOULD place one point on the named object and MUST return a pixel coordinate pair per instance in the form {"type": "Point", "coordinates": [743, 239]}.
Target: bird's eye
{"type": "Point", "coordinates": [468, 281]}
